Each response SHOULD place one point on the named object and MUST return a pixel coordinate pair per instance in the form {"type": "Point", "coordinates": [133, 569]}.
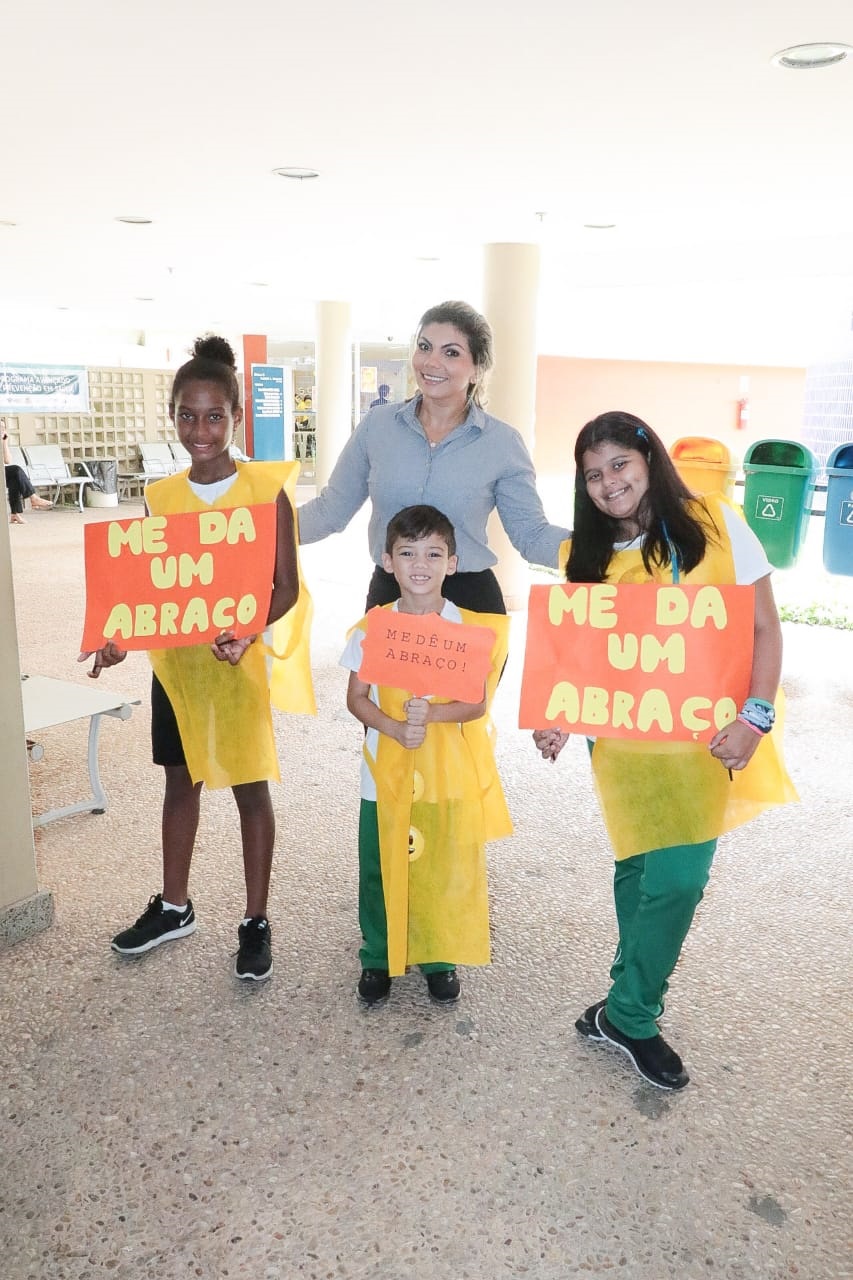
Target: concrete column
{"type": "Point", "coordinates": [333, 403]}
{"type": "Point", "coordinates": [511, 285]}
{"type": "Point", "coordinates": [23, 909]}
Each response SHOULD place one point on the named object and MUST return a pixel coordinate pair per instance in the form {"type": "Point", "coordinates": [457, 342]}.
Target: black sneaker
{"type": "Point", "coordinates": [374, 986]}
{"type": "Point", "coordinates": [153, 927]}
{"type": "Point", "coordinates": [254, 957]}
{"type": "Point", "coordinates": [444, 987]}
{"type": "Point", "coordinates": [585, 1024]}
{"type": "Point", "coordinates": [652, 1058]}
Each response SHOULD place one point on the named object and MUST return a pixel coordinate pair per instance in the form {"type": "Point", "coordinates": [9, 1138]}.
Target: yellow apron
{"type": "Point", "coordinates": [223, 712]}
{"type": "Point", "coordinates": [436, 808]}
{"type": "Point", "coordinates": [654, 795]}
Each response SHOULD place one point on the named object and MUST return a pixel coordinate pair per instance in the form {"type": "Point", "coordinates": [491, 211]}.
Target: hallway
{"type": "Point", "coordinates": [162, 1120]}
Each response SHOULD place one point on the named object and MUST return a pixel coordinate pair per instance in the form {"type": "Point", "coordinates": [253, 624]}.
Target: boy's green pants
{"type": "Point", "coordinates": [656, 896]}
{"type": "Point", "coordinates": [371, 899]}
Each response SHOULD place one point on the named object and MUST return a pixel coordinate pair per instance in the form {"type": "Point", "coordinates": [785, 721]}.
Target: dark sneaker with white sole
{"type": "Point", "coordinates": [374, 986]}
{"type": "Point", "coordinates": [154, 926]}
{"type": "Point", "coordinates": [653, 1058]}
{"type": "Point", "coordinates": [254, 957]}
{"type": "Point", "coordinates": [444, 988]}
{"type": "Point", "coordinates": [585, 1024]}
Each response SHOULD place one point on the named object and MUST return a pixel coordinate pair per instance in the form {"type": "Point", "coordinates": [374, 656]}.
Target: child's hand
{"type": "Point", "coordinates": [229, 649]}
{"type": "Point", "coordinates": [410, 736]}
{"type": "Point", "coordinates": [108, 656]}
{"type": "Point", "coordinates": [417, 711]}
{"type": "Point", "coordinates": [550, 742]}
{"type": "Point", "coordinates": [735, 745]}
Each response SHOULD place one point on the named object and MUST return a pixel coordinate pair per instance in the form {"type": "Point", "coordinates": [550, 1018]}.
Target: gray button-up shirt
{"type": "Point", "coordinates": [481, 465]}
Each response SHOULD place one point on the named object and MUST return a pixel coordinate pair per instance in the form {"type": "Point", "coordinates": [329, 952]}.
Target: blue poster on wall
{"type": "Point", "coordinates": [268, 416]}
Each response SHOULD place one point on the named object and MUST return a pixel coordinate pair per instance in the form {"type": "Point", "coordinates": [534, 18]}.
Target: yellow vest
{"type": "Point", "coordinates": [654, 795]}
{"type": "Point", "coordinates": [223, 712]}
{"type": "Point", "coordinates": [436, 807]}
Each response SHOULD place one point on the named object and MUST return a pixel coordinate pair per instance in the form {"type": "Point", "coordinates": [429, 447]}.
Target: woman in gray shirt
{"type": "Point", "coordinates": [440, 448]}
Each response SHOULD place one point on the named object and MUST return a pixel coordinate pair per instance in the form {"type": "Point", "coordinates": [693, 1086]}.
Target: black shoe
{"type": "Point", "coordinates": [443, 987]}
{"type": "Point", "coordinates": [586, 1022]}
{"type": "Point", "coordinates": [653, 1058]}
{"type": "Point", "coordinates": [374, 986]}
{"type": "Point", "coordinates": [254, 957]}
{"type": "Point", "coordinates": [153, 927]}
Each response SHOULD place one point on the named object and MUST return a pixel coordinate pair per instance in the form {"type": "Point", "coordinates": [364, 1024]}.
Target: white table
{"type": "Point", "coordinates": [49, 702]}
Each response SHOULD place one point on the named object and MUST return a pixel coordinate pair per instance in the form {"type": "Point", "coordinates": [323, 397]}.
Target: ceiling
{"type": "Point", "coordinates": [435, 130]}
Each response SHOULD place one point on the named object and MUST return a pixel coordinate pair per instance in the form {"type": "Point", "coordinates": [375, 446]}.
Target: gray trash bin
{"type": "Point", "coordinates": [104, 492]}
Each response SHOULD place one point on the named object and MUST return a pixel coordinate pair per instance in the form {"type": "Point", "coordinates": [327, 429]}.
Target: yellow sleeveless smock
{"type": "Point", "coordinates": [223, 712]}
{"type": "Point", "coordinates": [654, 795]}
{"type": "Point", "coordinates": [436, 808]}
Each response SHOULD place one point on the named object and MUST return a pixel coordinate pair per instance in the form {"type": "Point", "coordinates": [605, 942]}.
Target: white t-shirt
{"type": "Point", "coordinates": [351, 659]}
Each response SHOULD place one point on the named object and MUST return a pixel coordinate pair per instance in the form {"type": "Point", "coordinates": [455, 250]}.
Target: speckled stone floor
{"type": "Point", "coordinates": [160, 1119]}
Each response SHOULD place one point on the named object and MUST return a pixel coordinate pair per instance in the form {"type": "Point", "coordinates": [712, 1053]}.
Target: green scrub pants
{"type": "Point", "coordinates": [656, 896]}
{"type": "Point", "coordinates": [371, 899]}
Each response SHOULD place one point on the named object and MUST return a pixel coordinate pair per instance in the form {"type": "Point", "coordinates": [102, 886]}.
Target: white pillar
{"type": "Point", "coordinates": [23, 909]}
{"type": "Point", "coordinates": [333, 404]}
{"type": "Point", "coordinates": [511, 285]}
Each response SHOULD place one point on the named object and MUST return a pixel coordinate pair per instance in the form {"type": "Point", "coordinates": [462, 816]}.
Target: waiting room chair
{"type": "Point", "coordinates": [48, 469]}
{"type": "Point", "coordinates": [157, 459]}
{"type": "Point", "coordinates": [180, 455]}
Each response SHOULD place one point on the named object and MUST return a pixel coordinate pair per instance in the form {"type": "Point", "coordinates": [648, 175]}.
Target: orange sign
{"type": "Point", "coordinates": [162, 581]}
{"type": "Point", "coordinates": [426, 654]}
{"type": "Point", "coordinates": [636, 660]}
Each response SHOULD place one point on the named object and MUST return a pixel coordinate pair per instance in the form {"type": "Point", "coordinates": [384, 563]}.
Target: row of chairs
{"type": "Point", "coordinates": [163, 458]}
{"type": "Point", "coordinates": [48, 469]}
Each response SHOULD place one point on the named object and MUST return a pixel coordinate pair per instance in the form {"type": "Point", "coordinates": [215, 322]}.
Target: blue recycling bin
{"type": "Point", "coordinates": [778, 487]}
{"type": "Point", "coordinates": [838, 525]}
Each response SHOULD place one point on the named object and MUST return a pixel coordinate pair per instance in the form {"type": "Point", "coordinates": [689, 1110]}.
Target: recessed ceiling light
{"type": "Point", "coordinates": [599, 226]}
{"type": "Point", "coordinates": [807, 57]}
{"type": "Point", "coordinates": [258, 284]}
{"type": "Point", "coordinates": [4, 222]}
{"type": "Point", "coordinates": [132, 220]}
{"type": "Point", "coordinates": [294, 171]}
{"type": "Point", "coordinates": [425, 257]}
{"type": "Point", "coordinates": [142, 298]}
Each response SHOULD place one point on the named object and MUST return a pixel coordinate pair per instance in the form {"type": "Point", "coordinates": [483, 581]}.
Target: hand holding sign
{"type": "Point", "coordinates": [164, 581]}
{"type": "Point", "coordinates": [636, 661]}
{"type": "Point", "coordinates": [427, 654]}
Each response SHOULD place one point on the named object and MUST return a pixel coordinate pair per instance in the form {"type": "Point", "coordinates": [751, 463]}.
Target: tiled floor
{"type": "Point", "coordinates": [161, 1120]}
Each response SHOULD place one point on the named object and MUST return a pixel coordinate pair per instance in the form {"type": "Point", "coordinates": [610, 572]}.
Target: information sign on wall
{"type": "Point", "coordinates": [43, 388]}
{"type": "Point", "coordinates": [271, 442]}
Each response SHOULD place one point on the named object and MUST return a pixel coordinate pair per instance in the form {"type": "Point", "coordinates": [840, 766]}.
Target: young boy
{"type": "Point", "coordinates": [430, 792]}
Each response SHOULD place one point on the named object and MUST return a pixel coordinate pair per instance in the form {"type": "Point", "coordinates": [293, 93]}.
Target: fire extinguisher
{"type": "Point", "coordinates": [742, 413]}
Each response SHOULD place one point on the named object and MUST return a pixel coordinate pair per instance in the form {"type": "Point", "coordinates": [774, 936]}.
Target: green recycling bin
{"type": "Point", "coordinates": [779, 483]}
{"type": "Point", "coordinates": [838, 525]}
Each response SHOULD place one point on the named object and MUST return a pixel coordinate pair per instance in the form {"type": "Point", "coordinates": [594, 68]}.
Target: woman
{"type": "Point", "coordinates": [443, 449]}
{"type": "Point", "coordinates": [18, 485]}
{"type": "Point", "coordinates": [635, 521]}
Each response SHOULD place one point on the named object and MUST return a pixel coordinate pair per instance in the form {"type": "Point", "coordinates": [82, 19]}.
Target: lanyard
{"type": "Point", "coordinates": [673, 554]}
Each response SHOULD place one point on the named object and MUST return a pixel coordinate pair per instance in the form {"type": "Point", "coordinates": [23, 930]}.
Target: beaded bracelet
{"type": "Point", "coordinates": [758, 714]}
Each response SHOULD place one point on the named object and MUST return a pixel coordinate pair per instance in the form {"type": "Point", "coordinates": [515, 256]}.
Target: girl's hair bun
{"type": "Point", "coordinates": [212, 347]}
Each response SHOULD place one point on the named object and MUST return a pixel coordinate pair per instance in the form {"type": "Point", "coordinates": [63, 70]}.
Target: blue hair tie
{"type": "Point", "coordinates": [643, 434]}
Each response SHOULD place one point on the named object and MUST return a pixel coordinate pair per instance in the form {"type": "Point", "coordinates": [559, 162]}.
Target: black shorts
{"type": "Point", "coordinates": [166, 745]}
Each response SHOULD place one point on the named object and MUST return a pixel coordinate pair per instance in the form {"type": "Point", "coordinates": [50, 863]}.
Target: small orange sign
{"type": "Point", "coordinates": [158, 582]}
{"type": "Point", "coordinates": [426, 654]}
{"type": "Point", "coordinates": [636, 660]}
